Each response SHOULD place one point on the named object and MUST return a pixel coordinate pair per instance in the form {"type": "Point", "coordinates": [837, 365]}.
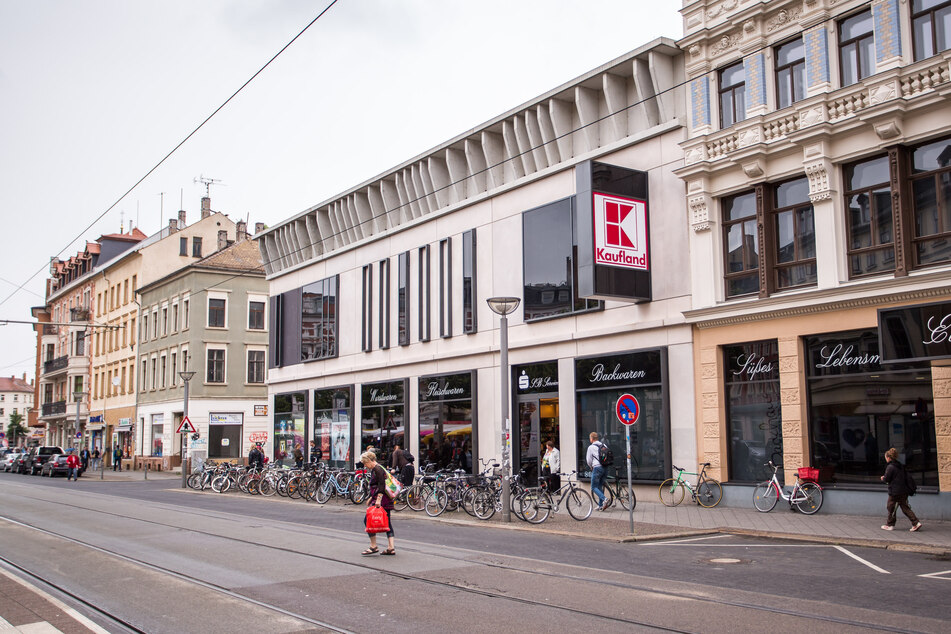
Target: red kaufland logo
{"type": "Point", "coordinates": [620, 231]}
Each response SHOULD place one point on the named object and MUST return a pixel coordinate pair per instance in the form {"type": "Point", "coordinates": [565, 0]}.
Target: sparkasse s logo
{"type": "Point", "coordinates": [620, 231]}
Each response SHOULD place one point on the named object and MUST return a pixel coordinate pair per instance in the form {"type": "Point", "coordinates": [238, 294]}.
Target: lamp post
{"type": "Point", "coordinates": [503, 306]}
{"type": "Point", "coordinates": [186, 377]}
{"type": "Point", "coordinates": [78, 397]}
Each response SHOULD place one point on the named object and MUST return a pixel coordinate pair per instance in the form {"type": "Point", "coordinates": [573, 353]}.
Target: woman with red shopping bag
{"type": "Point", "coordinates": [379, 501]}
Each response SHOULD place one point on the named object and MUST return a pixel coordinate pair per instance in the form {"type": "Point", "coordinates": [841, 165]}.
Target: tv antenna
{"type": "Point", "coordinates": [207, 182]}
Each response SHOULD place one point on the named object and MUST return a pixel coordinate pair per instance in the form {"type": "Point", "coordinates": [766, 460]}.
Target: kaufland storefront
{"type": "Point", "coordinates": [381, 334]}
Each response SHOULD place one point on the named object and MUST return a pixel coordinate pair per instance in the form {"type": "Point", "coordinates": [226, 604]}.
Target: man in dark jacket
{"type": "Point", "coordinates": [407, 473]}
{"type": "Point", "coordinates": [256, 457]}
{"type": "Point", "coordinates": [897, 492]}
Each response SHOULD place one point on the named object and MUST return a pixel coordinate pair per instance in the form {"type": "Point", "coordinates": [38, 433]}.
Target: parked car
{"type": "Point", "coordinates": [55, 466]}
{"type": "Point", "coordinates": [6, 463]}
{"type": "Point", "coordinates": [36, 458]}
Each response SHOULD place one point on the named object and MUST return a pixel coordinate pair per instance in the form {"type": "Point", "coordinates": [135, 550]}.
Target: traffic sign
{"type": "Point", "coordinates": [185, 427]}
{"type": "Point", "coordinates": [627, 409]}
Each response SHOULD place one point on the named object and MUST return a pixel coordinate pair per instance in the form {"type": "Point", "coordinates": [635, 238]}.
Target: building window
{"type": "Point", "coordinates": [402, 298]}
{"type": "Point", "coordinates": [856, 47]}
{"type": "Point", "coordinates": [155, 324]}
{"type": "Point", "coordinates": [384, 324]}
{"type": "Point", "coordinates": [216, 313]}
{"type": "Point", "coordinates": [753, 409]}
{"type": "Point", "coordinates": [256, 315]}
{"type": "Point", "coordinates": [175, 317]}
{"type": "Point", "coordinates": [732, 94]}
{"type": "Point", "coordinates": [790, 73]}
{"type": "Point", "coordinates": [255, 366]}
{"type": "Point", "coordinates": [216, 366]}
{"type": "Point", "coordinates": [145, 327]}
{"type": "Point", "coordinates": [196, 247]}
{"type": "Point", "coordinates": [154, 372]}
{"type": "Point", "coordinates": [163, 365]}
{"type": "Point", "coordinates": [185, 314]}
{"type": "Point", "coordinates": [469, 306]}
{"type": "Point", "coordinates": [164, 320]}
{"type": "Point", "coordinates": [794, 230]}
{"type": "Point", "coordinates": [183, 246]}
{"type": "Point", "coordinates": [868, 208]}
{"type": "Point", "coordinates": [366, 322]}
{"type": "Point", "coordinates": [174, 365]}
{"type": "Point", "coordinates": [549, 265]}
{"type": "Point", "coordinates": [144, 381]}
{"type": "Point", "coordinates": [931, 192]}
{"type": "Point", "coordinates": [931, 26]}
{"type": "Point", "coordinates": [425, 296]}
{"type": "Point", "coordinates": [319, 320]}
{"type": "Point", "coordinates": [445, 287]}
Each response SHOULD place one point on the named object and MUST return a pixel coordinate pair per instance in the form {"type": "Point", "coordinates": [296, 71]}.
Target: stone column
{"type": "Point", "coordinates": [941, 386]}
{"type": "Point", "coordinates": [792, 391]}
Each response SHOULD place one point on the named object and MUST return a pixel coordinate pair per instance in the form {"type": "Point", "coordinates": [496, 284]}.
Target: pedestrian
{"type": "Point", "coordinates": [397, 460]}
{"type": "Point", "coordinates": [298, 457]}
{"type": "Point", "coordinates": [898, 492]}
{"type": "Point", "coordinates": [408, 472]}
{"type": "Point", "coordinates": [95, 458]}
{"type": "Point", "coordinates": [84, 457]}
{"type": "Point", "coordinates": [378, 497]}
{"type": "Point", "coordinates": [72, 463]}
{"type": "Point", "coordinates": [117, 458]}
{"type": "Point", "coordinates": [551, 465]}
{"type": "Point", "coordinates": [597, 471]}
{"type": "Point", "coordinates": [256, 457]}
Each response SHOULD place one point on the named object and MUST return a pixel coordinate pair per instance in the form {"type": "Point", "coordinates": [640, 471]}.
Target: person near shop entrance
{"type": "Point", "coordinates": [95, 458]}
{"type": "Point", "coordinates": [551, 465]}
{"type": "Point", "coordinates": [84, 457]}
{"type": "Point", "coordinates": [256, 457]}
{"type": "Point", "coordinates": [117, 459]}
{"type": "Point", "coordinates": [378, 497]}
{"type": "Point", "coordinates": [72, 463]}
{"type": "Point", "coordinates": [298, 457]}
{"type": "Point", "coordinates": [408, 473]}
{"type": "Point", "coordinates": [898, 492]}
{"type": "Point", "coordinates": [397, 460]}
{"type": "Point", "coordinates": [597, 471]}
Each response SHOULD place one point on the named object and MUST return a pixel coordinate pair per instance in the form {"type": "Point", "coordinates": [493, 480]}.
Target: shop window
{"type": "Point", "coordinates": [469, 307]}
{"type": "Point", "coordinates": [333, 426]}
{"type": "Point", "coordinates": [256, 315]}
{"type": "Point", "coordinates": [366, 322]}
{"type": "Point", "coordinates": [549, 265]}
{"type": "Point", "coordinates": [402, 298]}
{"type": "Point", "coordinates": [384, 310]}
{"type": "Point", "coordinates": [446, 417]}
{"type": "Point", "coordinates": [856, 48]}
{"type": "Point", "coordinates": [445, 287]}
{"type": "Point", "coordinates": [255, 366]}
{"type": "Point", "coordinates": [599, 383]}
{"type": "Point", "coordinates": [859, 408]}
{"type": "Point", "coordinates": [216, 313]}
{"type": "Point", "coordinates": [290, 421]}
{"type": "Point", "coordinates": [794, 259]}
{"type": "Point", "coordinates": [931, 27]}
{"type": "Point", "coordinates": [382, 425]}
{"type": "Point", "coordinates": [790, 73]}
{"type": "Point", "coordinates": [753, 410]}
{"type": "Point", "coordinates": [158, 434]}
{"type": "Point", "coordinates": [424, 295]}
{"type": "Point", "coordinates": [536, 392]}
{"type": "Point", "coordinates": [224, 439]}
{"type": "Point", "coordinates": [216, 366]}
{"type": "Point", "coordinates": [732, 94]}
{"type": "Point", "coordinates": [868, 208]}
{"type": "Point", "coordinates": [931, 192]}
{"type": "Point", "coordinates": [318, 325]}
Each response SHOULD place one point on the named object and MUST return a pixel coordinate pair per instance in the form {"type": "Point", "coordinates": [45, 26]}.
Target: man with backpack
{"type": "Point", "coordinates": [900, 486]}
{"type": "Point", "coordinates": [598, 457]}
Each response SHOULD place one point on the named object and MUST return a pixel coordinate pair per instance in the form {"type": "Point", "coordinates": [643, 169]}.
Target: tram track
{"type": "Point", "coordinates": [466, 588]}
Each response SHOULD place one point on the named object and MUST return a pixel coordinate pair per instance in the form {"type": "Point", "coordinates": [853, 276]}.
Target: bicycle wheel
{"type": "Point", "coordinates": [671, 492]}
{"type": "Point", "coordinates": [535, 506]}
{"type": "Point", "coordinates": [452, 499]}
{"type": "Point", "coordinates": [194, 480]}
{"type": "Point", "coordinates": [293, 487]}
{"type": "Point", "coordinates": [468, 497]}
{"type": "Point", "coordinates": [627, 497]}
{"type": "Point", "coordinates": [220, 484]}
{"type": "Point", "coordinates": [579, 504]}
{"type": "Point", "coordinates": [483, 506]}
{"type": "Point", "coordinates": [359, 492]}
{"type": "Point", "coordinates": [608, 495]}
{"type": "Point", "coordinates": [809, 499]}
{"type": "Point", "coordinates": [266, 487]}
{"type": "Point", "coordinates": [399, 502]}
{"type": "Point", "coordinates": [709, 493]}
{"type": "Point", "coordinates": [416, 497]}
{"type": "Point", "coordinates": [253, 486]}
{"type": "Point", "coordinates": [324, 492]}
{"type": "Point", "coordinates": [765, 496]}
{"type": "Point", "coordinates": [436, 503]}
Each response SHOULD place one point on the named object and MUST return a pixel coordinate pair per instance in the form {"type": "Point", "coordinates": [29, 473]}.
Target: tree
{"type": "Point", "coordinates": [15, 429]}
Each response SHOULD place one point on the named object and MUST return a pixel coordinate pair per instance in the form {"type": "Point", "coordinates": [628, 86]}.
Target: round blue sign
{"type": "Point", "coordinates": [627, 409]}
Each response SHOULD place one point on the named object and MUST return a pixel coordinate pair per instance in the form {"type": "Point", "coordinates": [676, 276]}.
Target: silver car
{"type": "Point", "coordinates": [6, 462]}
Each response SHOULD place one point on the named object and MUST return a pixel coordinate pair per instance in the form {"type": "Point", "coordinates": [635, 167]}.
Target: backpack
{"type": "Point", "coordinates": [605, 455]}
{"type": "Point", "coordinates": [910, 485]}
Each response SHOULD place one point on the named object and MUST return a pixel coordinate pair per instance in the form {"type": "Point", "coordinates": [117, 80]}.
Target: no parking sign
{"type": "Point", "coordinates": [628, 409]}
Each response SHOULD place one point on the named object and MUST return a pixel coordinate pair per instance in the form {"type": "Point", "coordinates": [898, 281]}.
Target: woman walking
{"type": "Point", "coordinates": [378, 497]}
{"type": "Point", "coordinates": [897, 492]}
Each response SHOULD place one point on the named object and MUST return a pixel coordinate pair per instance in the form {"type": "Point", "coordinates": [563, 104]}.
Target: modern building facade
{"type": "Point", "coordinates": [208, 317]}
{"type": "Point", "coordinates": [816, 169]}
{"type": "Point", "coordinates": [380, 330]}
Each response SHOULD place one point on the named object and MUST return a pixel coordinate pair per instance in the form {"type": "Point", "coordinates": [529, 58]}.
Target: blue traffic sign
{"type": "Point", "coordinates": [627, 409]}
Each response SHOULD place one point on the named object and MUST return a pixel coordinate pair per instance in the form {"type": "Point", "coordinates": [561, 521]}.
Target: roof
{"type": "Point", "coordinates": [244, 255]}
{"type": "Point", "coordinates": [135, 235]}
{"type": "Point", "coordinates": [13, 384]}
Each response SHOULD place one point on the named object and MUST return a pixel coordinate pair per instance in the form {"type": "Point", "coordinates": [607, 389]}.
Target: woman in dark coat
{"type": "Point", "coordinates": [897, 492]}
{"type": "Point", "coordinates": [378, 497]}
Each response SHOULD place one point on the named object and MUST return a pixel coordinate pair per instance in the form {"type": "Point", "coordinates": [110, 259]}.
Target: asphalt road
{"type": "Point", "coordinates": [168, 560]}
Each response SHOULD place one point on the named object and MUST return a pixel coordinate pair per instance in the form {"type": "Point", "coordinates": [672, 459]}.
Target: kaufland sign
{"type": "Point", "coordinates": [620, 231]}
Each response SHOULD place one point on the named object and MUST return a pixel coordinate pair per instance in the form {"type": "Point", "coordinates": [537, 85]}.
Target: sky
{"type": "Point", "coordinates": [94, 93]}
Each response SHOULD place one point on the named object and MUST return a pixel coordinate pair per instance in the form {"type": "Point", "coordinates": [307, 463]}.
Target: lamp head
{"type": "Point", "coordinates": [503, 305]}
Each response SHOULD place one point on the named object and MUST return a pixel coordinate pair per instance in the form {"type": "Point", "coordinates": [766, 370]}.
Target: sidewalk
{"type": "Point", "coordinates": [26, 609]}
{"type": "Point", "coordinates": [108, 475]}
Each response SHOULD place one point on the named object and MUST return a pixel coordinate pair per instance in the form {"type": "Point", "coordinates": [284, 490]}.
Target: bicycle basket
{"type": "Point", "coordinates": [809, 473]}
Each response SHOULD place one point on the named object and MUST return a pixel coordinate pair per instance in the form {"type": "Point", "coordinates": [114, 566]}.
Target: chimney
{"type": "Point", "coordinates": [222, 239]}
{"type": "Point", "coordinates": [241, 231]}
{"type": "Point", "coordinates": [181, 219]}
{"type": "Point", "coordinates": [172, 226]}
{"type": "Point", "coordinates": [258, 227]}
{"type": "Point", "coordinates": [205, 207]}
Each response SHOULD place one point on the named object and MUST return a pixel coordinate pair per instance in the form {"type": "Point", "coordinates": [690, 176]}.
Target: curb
{"type": "Point", "coordinates": [925, 549]}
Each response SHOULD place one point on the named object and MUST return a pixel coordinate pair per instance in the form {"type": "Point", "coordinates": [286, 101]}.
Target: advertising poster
{"type": "Point", "coordinates": [340, 433]}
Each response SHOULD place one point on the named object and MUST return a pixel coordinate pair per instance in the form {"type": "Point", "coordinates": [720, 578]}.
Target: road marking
{"type": "Point", "coordinates": [683, 541]}
{"type": "Point", "coordinates": [937, 575]}
{"type": "Point", "coordinates": [860, 560]}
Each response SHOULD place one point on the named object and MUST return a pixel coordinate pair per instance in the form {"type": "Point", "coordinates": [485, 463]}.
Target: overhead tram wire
{"type": "Point", "coordinates": [174, 149]}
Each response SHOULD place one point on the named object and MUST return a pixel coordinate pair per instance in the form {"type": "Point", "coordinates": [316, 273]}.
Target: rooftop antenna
{"type": "Point", "coordinates": [122, 221]}
{"type": "Point", "coordinates": [161, 212]}
{"type": "Point", "coordinates": [207, 182]}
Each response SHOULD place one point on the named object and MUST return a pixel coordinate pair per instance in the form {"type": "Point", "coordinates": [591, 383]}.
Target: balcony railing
{"type": "Point", "coordinates": [56, 364]}
{"type": "Point", "coordinates": [50, 330]}
{"type": "Point", "coordinates": [79, 314]}
{"type": "Point", "coordinates": [51, 409]}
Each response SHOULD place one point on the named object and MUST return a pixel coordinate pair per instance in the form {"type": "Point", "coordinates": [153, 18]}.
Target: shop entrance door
{"type": "Point", "coordinates": [537, 424]}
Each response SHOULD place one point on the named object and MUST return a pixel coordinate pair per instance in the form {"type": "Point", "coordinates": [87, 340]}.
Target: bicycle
{"type": "Point", "coordinates": [618, 490]}
{"type": "Point", "coordinates": [536, 504]}
{"type": "Point", "coordinates": [707, 494]}
{"type": "Point", "coordinates": [806, 495]}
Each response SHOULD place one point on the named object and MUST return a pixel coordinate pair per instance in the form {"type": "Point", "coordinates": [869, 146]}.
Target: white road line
{"type": "Point", "coordinates": [937, 575]}
{"type": "Point", "coordinates": [860, 560]}
{"type": "Point", "coordinates": [683, 541]}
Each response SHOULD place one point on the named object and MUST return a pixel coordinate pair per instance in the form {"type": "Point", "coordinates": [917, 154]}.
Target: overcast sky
{"type": "Point", "coordinates": [93, 93]}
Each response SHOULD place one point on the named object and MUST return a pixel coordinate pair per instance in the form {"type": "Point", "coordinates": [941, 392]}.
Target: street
{"type": "Point", "coordinates": [162, 559]}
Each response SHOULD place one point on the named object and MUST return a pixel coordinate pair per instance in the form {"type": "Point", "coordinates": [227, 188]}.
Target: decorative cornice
{"type": "Point", "coordinates": [699, 213]}
{"type": "Point", "coordinates": [784, 17]}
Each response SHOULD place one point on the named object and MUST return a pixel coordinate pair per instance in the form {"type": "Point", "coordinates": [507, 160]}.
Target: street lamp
{"type": "Point", "coordinates": [78, 397]}
{"type": "Point", "coordinates": [186, 377]}
{"type": "Point", "coordinates": [503, 306]}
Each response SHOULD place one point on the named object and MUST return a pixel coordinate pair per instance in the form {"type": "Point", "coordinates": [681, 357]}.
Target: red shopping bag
{"type": "Point", "coordinates": [377, 521]}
